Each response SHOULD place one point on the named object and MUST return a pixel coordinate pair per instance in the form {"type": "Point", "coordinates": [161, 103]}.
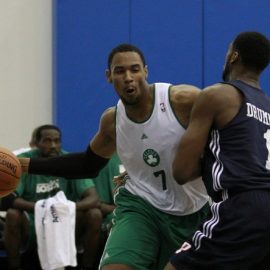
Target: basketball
{"type": "Point", "coordinates": [10, 172]}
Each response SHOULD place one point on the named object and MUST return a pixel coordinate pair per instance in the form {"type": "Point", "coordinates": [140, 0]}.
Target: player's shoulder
{"type": "Point", "coordinates": [218, 98]}
{"type": "Point", "coordinates": [215, 88]}
{"type": "Point", "coordinates": [33, 153]}
{"type": "Point", "coordinates": [185, 89]}
{"type": "Point", "coordinates": [109, 114]}
{"type": "Point", "coordinates": [107, 121]}
{"type": "Point", "coordinates": [220, 92]}
{"type": "Point", "coordinates": [184, 93]}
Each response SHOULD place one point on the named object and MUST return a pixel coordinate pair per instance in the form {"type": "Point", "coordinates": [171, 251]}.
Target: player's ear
{"type": "Point", "coordinates": [146, 71]}
{"type": "Point", "coordinates": [108, 75]}
{"type": "Point", "coordinates": [234, 57]}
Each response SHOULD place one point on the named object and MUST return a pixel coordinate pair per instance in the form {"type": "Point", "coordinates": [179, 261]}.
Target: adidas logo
{"type": "Point", "coordinates": [144, 137]}
{"type": "Point", "coordinates": [106, 255]}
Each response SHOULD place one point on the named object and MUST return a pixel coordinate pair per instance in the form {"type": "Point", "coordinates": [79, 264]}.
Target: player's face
{"type": "Point", "coordinates": [50, 143]}
{"type": "Point", "coordinates": [128, 76]}
{"type": "Point", "coordinates": [227, 66]}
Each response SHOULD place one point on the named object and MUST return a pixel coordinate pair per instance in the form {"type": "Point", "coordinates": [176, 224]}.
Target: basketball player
{"type": "Point", "coordinates": [153, 212]}
{"type": "Point", "coordinates": [232, 120]}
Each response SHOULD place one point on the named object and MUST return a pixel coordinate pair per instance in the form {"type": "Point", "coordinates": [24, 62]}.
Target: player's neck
{"type": "Point", "coordinates": [142, 111]}
{"type": "Point", "coordinates": [249, 78]}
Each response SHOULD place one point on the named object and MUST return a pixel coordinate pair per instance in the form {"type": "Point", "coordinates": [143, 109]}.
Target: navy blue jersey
{"type": "Point", "coordinates": [237, 157]}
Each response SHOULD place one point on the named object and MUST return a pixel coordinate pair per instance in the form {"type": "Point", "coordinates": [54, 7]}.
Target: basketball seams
{"type": "Point", "coordinates": [10, 155]}
{"type": "Point", "coordinates": [10, 172]}
{"type": "Point", "coordinates": [2, 169]}
{"type": "Point", "coordinates": [13, 157]}
{"type": "Point", "coordinates": [15, 160]}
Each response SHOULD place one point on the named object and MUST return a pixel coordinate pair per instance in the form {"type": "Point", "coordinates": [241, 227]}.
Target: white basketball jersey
{"type": "Point", "coordinates": [147, 151]}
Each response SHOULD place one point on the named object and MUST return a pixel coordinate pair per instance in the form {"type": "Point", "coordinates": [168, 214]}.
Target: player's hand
{"type": "Point", "coordinates": [120, 180]}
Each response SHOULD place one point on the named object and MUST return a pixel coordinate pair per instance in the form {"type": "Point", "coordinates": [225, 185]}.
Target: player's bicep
{"type": "Point", "coordinates": [103, 143]}
{"type": "Point", "coordinates": [191, 146]}
{"type": "Point", "coordinates": [201, 121]}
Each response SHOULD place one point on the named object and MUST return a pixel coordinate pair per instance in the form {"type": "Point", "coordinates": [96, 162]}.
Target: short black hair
{"type": "Point", "coordinates": [45, 127]}
{"type": "Point", "coordinates": [254, 50]}
{"type": "Point", "coordinates": [124, 47]}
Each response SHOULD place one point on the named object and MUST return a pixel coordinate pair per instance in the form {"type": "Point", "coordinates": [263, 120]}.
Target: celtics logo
{"type": "Point", "coordinates": [151, 157]}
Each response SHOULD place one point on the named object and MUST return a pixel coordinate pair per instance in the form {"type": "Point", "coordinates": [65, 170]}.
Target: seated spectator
{"type": "Point", "coordinates": [19, 230]}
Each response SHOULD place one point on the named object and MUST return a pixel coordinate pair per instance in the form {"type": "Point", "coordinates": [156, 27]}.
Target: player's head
{"type": "Point", "coordinates": [127, 72]}
{"type": "Point", "coordinates": [251, 50]}
{"type": "Point", "coordinates": [33, 140]}
{"type": "Point", "coordinates": [48, 140]}
{"type": "Point", "coordinates": [125, 47]}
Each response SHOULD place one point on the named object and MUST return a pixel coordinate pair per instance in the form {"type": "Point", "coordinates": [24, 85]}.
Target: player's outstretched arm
{"type": "Point", "coordinates": [83, 164]}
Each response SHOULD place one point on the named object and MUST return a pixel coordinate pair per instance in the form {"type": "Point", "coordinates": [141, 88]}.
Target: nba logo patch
{"type": "Point", "coordinates": [162, 107]}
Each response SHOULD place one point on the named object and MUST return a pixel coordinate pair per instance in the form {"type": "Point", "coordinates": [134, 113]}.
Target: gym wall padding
{"type": "Point", "coordinates": [223, 20]}
{"type": "Point", "coordinates": [183, 41]}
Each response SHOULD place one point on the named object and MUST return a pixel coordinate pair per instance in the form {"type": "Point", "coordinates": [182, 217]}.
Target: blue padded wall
{"type": "Point", "coordinates": [183, 41]}
{"type": "Point", "coordinates": [85, 31]}
{"type": "Point", "coordinates": [223, 20]}
{"type": "Point", "coordinates": [168, 32]}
